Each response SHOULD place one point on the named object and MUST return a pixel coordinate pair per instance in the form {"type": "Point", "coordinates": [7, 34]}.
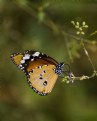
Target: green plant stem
{"type": "Point", "coordinates": [87, 54]}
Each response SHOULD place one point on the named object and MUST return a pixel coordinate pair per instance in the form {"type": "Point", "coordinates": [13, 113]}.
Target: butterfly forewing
{"type": "Point", "coordinates": [16, 58]}
{"type": "Point", "coordinates": [42, 80]}
{"type": "Point", "coordinates": [31, 59]}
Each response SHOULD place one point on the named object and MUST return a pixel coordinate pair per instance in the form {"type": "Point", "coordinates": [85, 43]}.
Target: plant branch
{"type": "Point", "coordinates": [59, 31]}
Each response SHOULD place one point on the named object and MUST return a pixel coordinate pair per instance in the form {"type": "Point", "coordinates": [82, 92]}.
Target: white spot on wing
{"type": "Point", "coordinates": [40, 66]}
{"type": "Point", "coordinates": [36, 54]}
{"type": "Point", "coordinates": [20, 66]}
{"type": "Point", "coordinates": [32, 59]}
{"type": "Point", "coordinates": [22, 61]}
{"type": "Point", "coordinates": [26, 57]}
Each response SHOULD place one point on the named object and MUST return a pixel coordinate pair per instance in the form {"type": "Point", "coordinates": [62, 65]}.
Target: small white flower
{"type": "Point", "coordinates": [86, 26]}
{"type": "Point", "coordinates": [83, 23]}
{"type": "Point", "coordinates": [80, 28]}
{"type": "Point", "coordinates": [78, 32]}
{"type": "Point", "coordinates": [68, 82]}
{"type": "Point", "coordinates": [72, 22]}
{"type": "Point", "coordinates": [77, 23]}
{"type": "Point", "coordinates": [82, 33]}
{"type": "Point", "coordinates": [76, 26]}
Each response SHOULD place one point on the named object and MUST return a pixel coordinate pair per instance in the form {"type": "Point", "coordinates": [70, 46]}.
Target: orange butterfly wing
{"type": "Point", "coordinates": [34, 64]}
{"type": "Point", "coordinates": [43, 80]}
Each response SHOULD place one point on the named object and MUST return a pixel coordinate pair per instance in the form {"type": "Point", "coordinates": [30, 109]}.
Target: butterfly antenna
{"type": "Point", "coordinates": [68, 72]}
{"type": "Point", "coordinates": [67, 68]}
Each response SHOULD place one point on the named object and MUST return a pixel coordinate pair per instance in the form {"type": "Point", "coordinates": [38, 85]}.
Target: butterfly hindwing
{"type": "Point", "coordinates": [43, 79]}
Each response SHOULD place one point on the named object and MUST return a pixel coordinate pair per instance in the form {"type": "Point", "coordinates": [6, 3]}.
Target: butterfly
{"type": "Point", "coordinates": [41, 70]}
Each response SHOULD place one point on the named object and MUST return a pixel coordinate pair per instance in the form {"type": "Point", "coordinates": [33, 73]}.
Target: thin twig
{"type": "Point", "coordinates": [87, 54]}
{"type": "Point", "coordinates": [68, 79]}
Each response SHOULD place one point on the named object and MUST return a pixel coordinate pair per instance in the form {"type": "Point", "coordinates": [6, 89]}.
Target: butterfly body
{"type": "Point", "coordinates": [41, 70]}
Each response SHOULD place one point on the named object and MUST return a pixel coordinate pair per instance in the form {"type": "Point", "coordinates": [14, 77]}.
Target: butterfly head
{"type": "Point", "coordinates": [59, 68]}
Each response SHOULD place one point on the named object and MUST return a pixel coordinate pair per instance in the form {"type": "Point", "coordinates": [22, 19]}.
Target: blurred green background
{"type": "Point", "coordinates": [38, 25]}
